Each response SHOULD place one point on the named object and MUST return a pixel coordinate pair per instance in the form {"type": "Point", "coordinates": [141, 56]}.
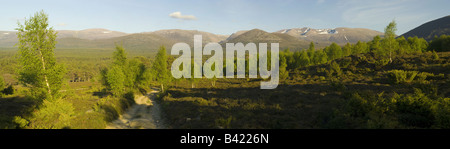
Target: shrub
{"type": "Point", "coordinates": [435, 56]}
{"type": "Point", "coordinates": [414, 110]}
{"type": "Point", "coordinates": [20, 122]}
{"type": "Point", "coordinates": [401, 76]}
{"type": "Point", "coordinates": [357, 106]}
{"type": "Point", "coordinates": [442, 116]}
{"type": "Point", "coordinates": [52, 114]}
{"type": "Point", "coordinates": [335, 67]}
{"type": "Point", "coordinates": [345, 62]}
{"type": "Point", "coordinates": [380, 63]}
{"type": "Point", "coordinates": [9, 90]}
{"type": "Point", "coordinates": [224, 123]}
{"type": "Point", "coordinates": [421, 77]}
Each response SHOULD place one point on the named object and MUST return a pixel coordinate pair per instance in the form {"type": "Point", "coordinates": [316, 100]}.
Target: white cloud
{"type": "Point", "coordinates": [178, 15]}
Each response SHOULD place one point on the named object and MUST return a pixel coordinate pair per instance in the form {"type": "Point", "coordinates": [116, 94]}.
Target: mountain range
{"type": "Point", "coordinates": [294, 38]}
{"type": "Point", "coordinates": [297, 38]}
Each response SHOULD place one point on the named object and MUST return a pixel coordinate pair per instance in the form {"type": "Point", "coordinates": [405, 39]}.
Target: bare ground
{"type": "Point", "coordinates": [145, 114]}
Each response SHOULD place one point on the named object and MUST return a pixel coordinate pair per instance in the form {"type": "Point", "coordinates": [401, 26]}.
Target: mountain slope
{"type": "Point", "coordinates": [338, 35]}
{"type": "Point", "coordinates": [91, 34]}
{"type": "Point", "coordinates": [430, 29]}
{"type": "Point", "coordinates": [8, 38]}
{"type": "Point", "coordinates": [140, 42]}
{"type": "Point", "coordinates": [260, 36]}
{"type": "Point", "coordinates": [187, 36]}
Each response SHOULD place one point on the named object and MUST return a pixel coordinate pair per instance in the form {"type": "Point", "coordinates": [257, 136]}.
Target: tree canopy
{"type": "Point", "coordinates": [38, 68]}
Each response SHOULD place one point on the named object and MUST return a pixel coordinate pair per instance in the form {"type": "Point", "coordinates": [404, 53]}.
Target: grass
{"type": "Point", "coordinates": [320, 96]}
{"type": "Point", "coordinates": [92, 108]}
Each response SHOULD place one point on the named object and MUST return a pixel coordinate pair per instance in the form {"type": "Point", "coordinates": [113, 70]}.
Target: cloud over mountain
{"type": "Point", "coordinates": [178, 15]}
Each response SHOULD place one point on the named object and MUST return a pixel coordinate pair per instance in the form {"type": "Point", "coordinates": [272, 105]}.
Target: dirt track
{"type": "Point", "coordinates": [145, 114]}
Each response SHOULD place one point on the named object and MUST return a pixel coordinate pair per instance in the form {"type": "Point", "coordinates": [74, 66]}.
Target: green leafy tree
{"type": "Point", "coordinates": [390, 43]}
{"type": "Point", "coordinates": [347, 50]}
{"type": "Point", "coordinates": [303, 60]}
{"type": "Point", "coordinates": [297, 55]}
{"type": "Point", "coordinates": [38, 68]}
{"type": "Point", "coordinates": [440, 44]}
{"type": "Point", "coordinates": [320, 57]}
{"type": "Point", "coordinates": [334, 51]}
{"type": "Point", "coordinates": [375, 45]}
{"type": "Point", "coordinates": [141, 73]}
{"type": "Point", "coordinates": [120, 56]}
{"type": "Point", "coordinates": [284, 73]}
{"type": "Point", "coordinates": [417, 44]}
{"type": "Point", "coordinates": [116, 80]}
{"type": "Point", "coordinates": [118, 77]}
{"type": "Point", "coordinates": [404, 46]}
{"type": "Point", "coordinates": [161, 72]}
{"type": "Point", "coordinates": [359, 47]}
{"type": "Point", "coordinates": [311, 50]}
{"type": "Point", "coordinates": [133, 73]}
{"type": "Point", "coordinates": [290, 60]}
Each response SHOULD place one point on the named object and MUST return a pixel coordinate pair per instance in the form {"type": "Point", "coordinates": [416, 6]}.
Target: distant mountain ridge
{"type": "Point", "coordinates": [295, 39]}
{"type": "Point", "coordinates": [430, 29]}
{"type": "Point", "coordinates": [188, 35]}
{"type": "Point", "coordinates": [91, 34]}
{"type": "Point", "coordinates": [340, 35]}
{"type": "Point", "coordinates": [260, 36]}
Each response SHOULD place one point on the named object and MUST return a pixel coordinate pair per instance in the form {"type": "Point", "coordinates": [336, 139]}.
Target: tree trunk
{"type": "Point", "coordinates": [162, 87]}
{"type": "Point", "coordinates": [390, 56]}
{"type": "Point", "coordinates": [45, 75]}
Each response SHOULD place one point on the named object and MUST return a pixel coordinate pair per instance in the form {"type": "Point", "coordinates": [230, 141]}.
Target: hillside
{"type": "Point", "coordinates": [188, 35]}
{"type": "Point", "coordinates": [260, 36]}
{"type": "Point", "coordinates": [338, 35]}
{"type": "Point", "coordinates": [91, 34]}
{"type": "Point", "coordinates": [430, 29]}
{"type": "Point", "coordinates": [295, 39]}
{"type": "Point", "coordinates": [356, 92]}
{"type": "Point", "coordinates": [8, 38]}
{"type": "Point", "coordinates": [133, 42]}
{"type": "Point", "coordinates": [102, 38]}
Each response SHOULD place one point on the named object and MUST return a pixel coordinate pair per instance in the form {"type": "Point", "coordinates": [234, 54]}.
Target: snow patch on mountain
{"type": "Point", "coordinates": [306, 31]}
{"type": "Point", "coordinates": [327, 31]}
{"type": "Point", "coordinates": [285, 31]}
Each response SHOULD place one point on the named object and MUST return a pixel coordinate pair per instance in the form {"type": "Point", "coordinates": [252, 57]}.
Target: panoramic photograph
{"type": "Point", "coordinates": [225, 64]}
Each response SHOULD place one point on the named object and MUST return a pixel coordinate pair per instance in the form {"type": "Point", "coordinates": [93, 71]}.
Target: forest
{"type": "Point", "coordinates": [389, 82]}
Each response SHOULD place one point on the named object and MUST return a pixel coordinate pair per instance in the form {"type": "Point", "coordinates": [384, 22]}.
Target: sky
{"type": "Point", "coordinates": [224, 16]}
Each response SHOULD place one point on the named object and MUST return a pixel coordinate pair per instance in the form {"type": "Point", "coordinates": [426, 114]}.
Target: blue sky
{"type": "Point", "coordinates": [224, 16]}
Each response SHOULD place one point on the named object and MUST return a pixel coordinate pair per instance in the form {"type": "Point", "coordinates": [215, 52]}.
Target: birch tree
{"type": "Point", "coordinates": [38, 67]}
